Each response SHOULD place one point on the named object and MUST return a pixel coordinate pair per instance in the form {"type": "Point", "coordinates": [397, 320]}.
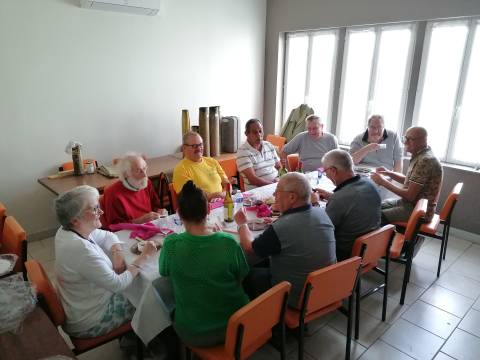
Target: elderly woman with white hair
{"type": "Point", "coordinates": [90, 268]}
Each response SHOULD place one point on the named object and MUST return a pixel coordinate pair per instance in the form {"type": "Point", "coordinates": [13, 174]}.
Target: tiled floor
{"type": "Point", "coordinates": [440, 319]}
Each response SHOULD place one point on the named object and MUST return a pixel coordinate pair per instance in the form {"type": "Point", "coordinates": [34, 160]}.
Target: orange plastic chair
{"type": "Point", "coordinates": [173, 197]}
{"type": "Point", "coordinates": [277, 141]}
{"type": "Point", "coordinates": [292, 162]}
{"type": "Point", "coordinates": [49, 300]}
{"type": "Point", "coordinates": [430, 229]}
{"type": "Point", "coordinates": [14, 241]}
{"type": "Point", "coordinates": [403, 245]}
{"type": "Point", "coordinates": [3, 215]}
{"type": "Point", "coordinates": [250, 327]}
{"type": "Point", "coordinates": [229, 166]}
{"type": "Point", "coordinates": [371, 248]}
{"type": "Point", "coordinates": [323, 293]}
{"type": "Point", "coordinates": [69, 165]}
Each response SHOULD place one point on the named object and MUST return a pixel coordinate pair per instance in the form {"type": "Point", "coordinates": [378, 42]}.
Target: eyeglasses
{"type": "Point", "coordinates": [97, 210]}
{"type": "Point", "coordinates": [324, 170]}
{"type": "Point", "coordinates": [279, 191]}
{"type": "Point", "coordinates": [194, 146]}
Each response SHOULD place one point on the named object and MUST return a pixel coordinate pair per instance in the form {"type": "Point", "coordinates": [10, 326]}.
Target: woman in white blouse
{"type": "Point", "coordinates": [90, 268]}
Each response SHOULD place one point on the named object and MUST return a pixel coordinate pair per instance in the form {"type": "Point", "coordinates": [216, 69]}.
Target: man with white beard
{"type": "Point", "coordinates": [133, 198]}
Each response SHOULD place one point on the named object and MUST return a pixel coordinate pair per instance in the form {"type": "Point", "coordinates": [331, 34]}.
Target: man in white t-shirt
{"type": "Point", "coordinates": [257, 160]}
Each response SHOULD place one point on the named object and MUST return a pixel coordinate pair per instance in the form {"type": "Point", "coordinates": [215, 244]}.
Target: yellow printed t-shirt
{"type": "Point", "coordinates": [206, 174]}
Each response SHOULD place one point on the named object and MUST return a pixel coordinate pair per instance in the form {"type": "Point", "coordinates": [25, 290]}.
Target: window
{"type": "Point", "coordinates": [447, 98]}
{"type": "Point", "coordinates": [309, 72]}
{"type": "Point", "coordinates": [375, 78]}
{"type": "Point", "coordinates": [423, 73]}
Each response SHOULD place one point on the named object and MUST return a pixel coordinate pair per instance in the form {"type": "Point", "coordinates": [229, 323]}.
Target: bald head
{"type": "Point", "coordinates": [296, 183]}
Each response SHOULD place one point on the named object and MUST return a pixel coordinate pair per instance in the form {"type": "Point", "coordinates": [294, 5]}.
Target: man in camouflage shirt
{"type": "Point", "coordinates": [423, 179]}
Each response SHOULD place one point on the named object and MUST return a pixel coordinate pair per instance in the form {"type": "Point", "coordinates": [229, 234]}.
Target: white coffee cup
{"type": "Point", "coordinates": [382, 146]}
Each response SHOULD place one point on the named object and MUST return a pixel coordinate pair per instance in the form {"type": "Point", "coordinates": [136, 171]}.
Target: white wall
{"type": "Point", "coordinates": [116, 82]}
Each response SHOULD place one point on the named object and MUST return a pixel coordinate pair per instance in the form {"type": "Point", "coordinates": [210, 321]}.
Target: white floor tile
{"type": "Point", "coordinates": [459, 284]}
{"type": "Point", "coordinates": [471, 323]}
{"type": "Point", "coordinates": [44, 251]}
{"type": "Point", "coordinates": [467, 268]}
{"type": "Point", "coordinates": [371, 328]}
{"type": "Point", "coordinates": [413, 340]}
{"type": "Point", "coordinates": [476, 305]}
{"type": "Point", "coordinates": [382, 351]}
{"type": "Point", "coordinates": [328, 344]}
{"type": "Point", "coordinates": [431, 318]}
{"type": "Point", "coordinates": [373, 305]}
{"type": "Point", "coordinates": [418, 276]}
{"type": "Point", "coordinates": [462, 346]}
{"type": "Point", "coordinates": [457, 243]}
{"type": "Point", "coordinates": [430, 262]}
{"type": "Point", "coordinates": [442, 356]}
{"type": "Point", "coordinates": [447, 300]}
{"type": "Point", "coordinates": [413, 291]}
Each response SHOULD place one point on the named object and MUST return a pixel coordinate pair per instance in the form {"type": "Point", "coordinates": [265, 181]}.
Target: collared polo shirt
{"type": "Point", "coordinates": [263, 161]}
{"type": "Point", "coordinates": [381, 157]}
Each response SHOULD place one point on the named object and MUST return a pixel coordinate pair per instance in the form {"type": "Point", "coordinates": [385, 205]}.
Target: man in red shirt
{"type": "Point", "coordinates": [132, 199]}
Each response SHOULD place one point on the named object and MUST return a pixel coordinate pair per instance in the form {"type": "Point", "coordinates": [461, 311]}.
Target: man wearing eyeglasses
{"type": "Point", "coordinates": [257, 160]}
{"type": "Point", "coordinates": [423, 179]}
{"type": "Point", "coordinates": [205, 172]}
{"type": "Point", "coordinates": [133, 199]}
{"type": "Point", "coordinates": [299, 242]}
{"type": "Point", "coordinates": [377, 146]}
{"type": "Point", "coordinates": [353, 206]}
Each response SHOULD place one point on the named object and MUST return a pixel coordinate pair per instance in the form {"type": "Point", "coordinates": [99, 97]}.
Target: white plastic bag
{"type": "Point", "coordinates": [17, 300]}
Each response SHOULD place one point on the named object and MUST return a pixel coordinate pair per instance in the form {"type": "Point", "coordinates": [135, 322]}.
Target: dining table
{"type": "Point", "coordinates": [151, 294]}
{"type": "Point", "coordinates": [155, 166]}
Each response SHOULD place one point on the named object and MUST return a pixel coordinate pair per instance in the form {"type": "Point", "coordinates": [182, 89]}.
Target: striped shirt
{"type": "Point", "coordinates": [263, 161]}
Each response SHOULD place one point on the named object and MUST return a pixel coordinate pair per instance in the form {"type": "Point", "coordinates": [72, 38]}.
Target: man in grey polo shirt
{"type": "Point", "coordinates": [353, 206]}
{"type": "Point", "coordinates": [257, 160]}
{"type": "Point", "coordinates": [299, 242]}
{"type": "Point", "coordinates": [377, 146]}
{"type": "Point", "coordinates": [311, 145]}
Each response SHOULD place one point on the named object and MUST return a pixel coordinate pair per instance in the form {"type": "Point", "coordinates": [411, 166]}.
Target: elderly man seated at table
{"type": "Point", "coordinates": [423, 179]}
{"type": "Point", "coordinates": [89, 267]}
{"type": "Point", "coordinates": [299, 242]}
{"type": "Point", "coordinates": [206, 269]}
{"type": "Point", "coordinates": [205, 172]}
{"type": "Point", "coordinates": [377, 146]}
{"type": "Point", "coordinates": [311, 145]}
{"type": "Point", "coordinates": [257, 160]}
{"type": "Point", "coordinates": [354, 205]}
{"type": "Point", "coordinates": [133, 198]}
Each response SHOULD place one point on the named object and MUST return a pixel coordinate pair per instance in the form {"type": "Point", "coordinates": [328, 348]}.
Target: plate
{"type": "Point", "coordinates": [257, 225]}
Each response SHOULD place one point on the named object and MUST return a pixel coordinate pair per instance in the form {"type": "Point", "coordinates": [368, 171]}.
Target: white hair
{"type": "Point", "coordinates": [70, 204]}
{"type": "Point", "coordinates": [297, 183]}
{"type": "Point", "coordinates": [124, 165]}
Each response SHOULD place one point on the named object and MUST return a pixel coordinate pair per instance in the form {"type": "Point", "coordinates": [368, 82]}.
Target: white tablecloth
{"type": "Point", "coordinates": [152, 295]}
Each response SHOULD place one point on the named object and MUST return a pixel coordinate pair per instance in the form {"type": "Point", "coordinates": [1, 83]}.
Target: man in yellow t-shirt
{"type": "Point", "coordinates": [205, 172]}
